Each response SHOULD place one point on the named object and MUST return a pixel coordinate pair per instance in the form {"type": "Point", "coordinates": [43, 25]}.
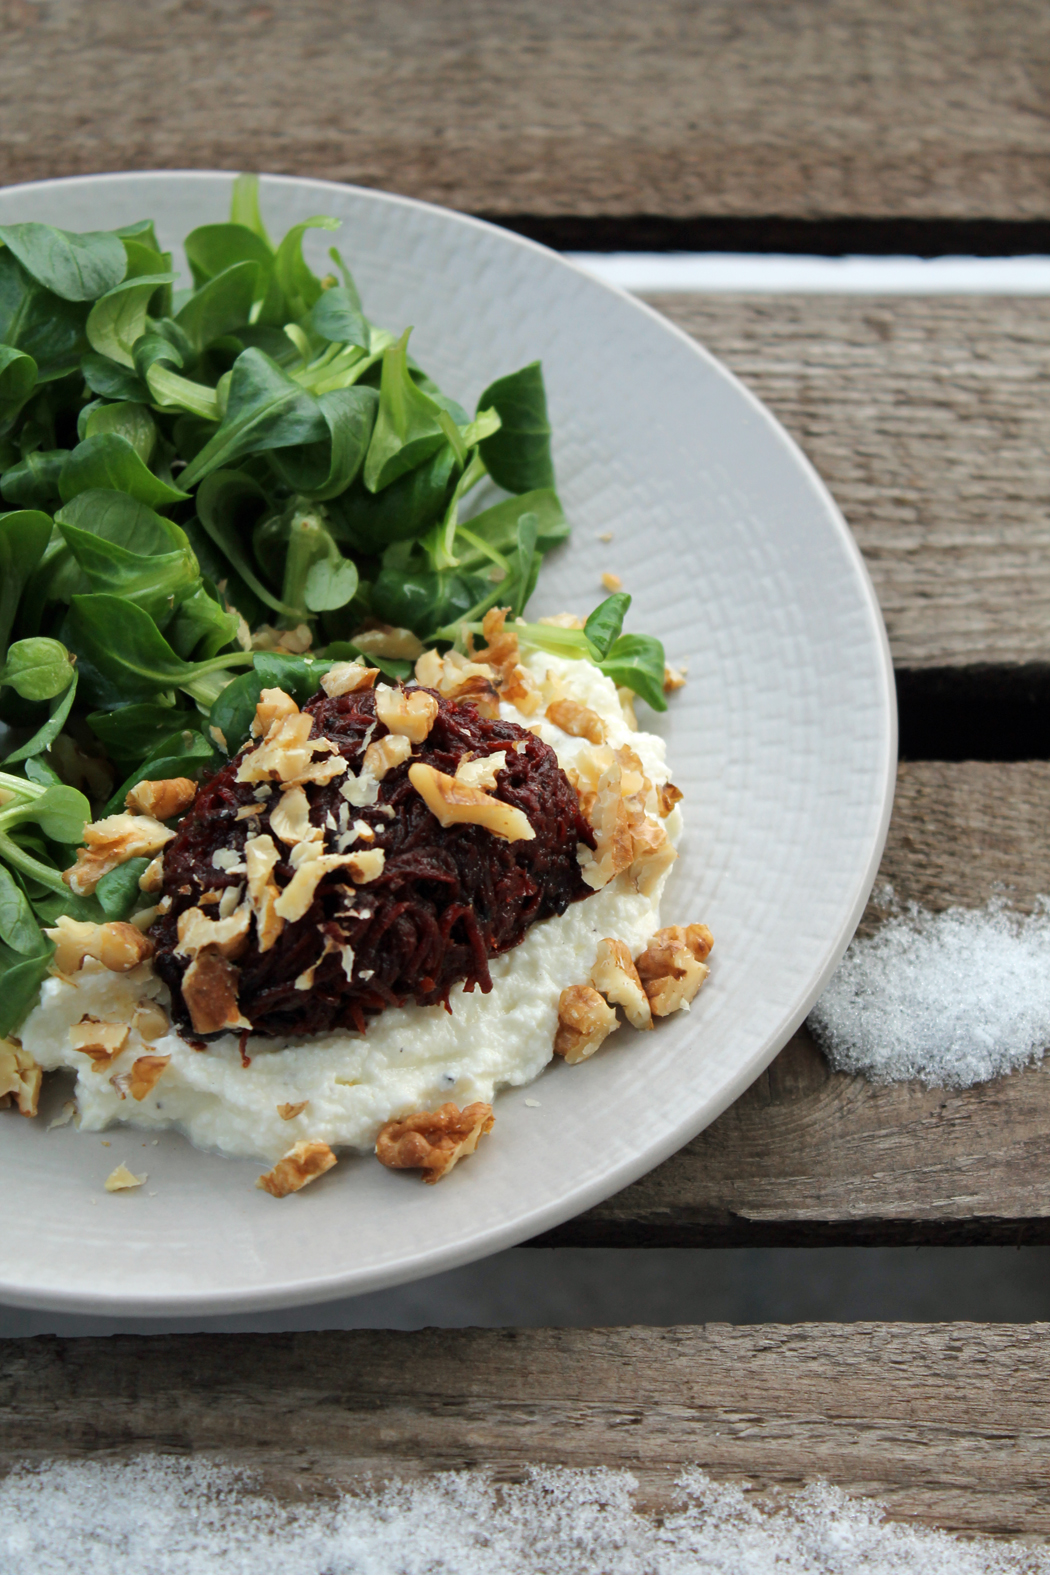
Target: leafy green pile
{"type": "Point", "coordinates": [186, 469]}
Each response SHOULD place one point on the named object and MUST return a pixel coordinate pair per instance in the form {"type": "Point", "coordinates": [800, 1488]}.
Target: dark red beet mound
{"type": "Point", "coordinates": [447, 900]}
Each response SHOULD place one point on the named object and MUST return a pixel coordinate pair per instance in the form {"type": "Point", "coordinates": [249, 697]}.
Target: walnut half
{"type": "Point", "coordinates": [672, 967]}
{"type": "Point", "coordinates": [433, 1141]}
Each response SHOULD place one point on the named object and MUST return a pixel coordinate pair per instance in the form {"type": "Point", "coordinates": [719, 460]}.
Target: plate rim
{"type": "Point", "coordinates": [546, 1217]}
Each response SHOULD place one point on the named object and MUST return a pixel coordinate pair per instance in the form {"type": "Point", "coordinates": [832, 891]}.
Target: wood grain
{"type": "Point", "coordinates": [808, 1156]}
{"type": "Point", "coordinates": [793, 107]}
{"type": "Point", "coordinates": [930, 421]}
{"type": "Point", "coordinates": [946, 1423]}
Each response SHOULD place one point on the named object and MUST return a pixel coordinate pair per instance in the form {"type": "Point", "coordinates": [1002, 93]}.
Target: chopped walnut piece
{"type": "Point", "coordinates": [261, 857]}
{"type": "Point", "coordinates": [103, 1042]}
{"type": "Point", "coordinates": [410, 713]}
{"type": "Point", "coordinates": [612, 582]}
{"type": "Point", "coordinates": [301, 1165]}
{"type": "Point", "coordinates": [579, 721]}
{"type": "Point", "coordinates": [454, 804]}
{"type": "Point", "coordinates": [501, 643]}
{"type": "Point", "coordinates": [116, 945]}
{"type": "Point", "coordinates": [520, 689]}
{"type": "Point", "coordinates": [396, 645]}
{"type": "Point", "coordinates": [121, 1180]}
{"type": "Point", "coordinates": [481, 773]}
{"type": "Point", "coordinates": [20, 1078]}
{"type": "Point", "coordinates": [674, 678]}
{"type": "Point", "coordinates": [273, 705]}
{"type": "Point", "coordinates": [385, 754]}
{"type": "Point", "coordinates": [111, 842]}
{"type": "Point", "coordinates": [615, 975]}
{"type": "Point", "coordinates": [433, 1140]}
{"type": "Point", "coordinates": [144, 1074]}
{"type": "Point", "coordinates": [289, 1112]}
{"type": "Point", "coordinates": [346, 678]}
{"type": "Point", "coordinates": [197, 932]}
{"type": "Point", "coordinates": [295, 641]}
{"type": "Point", "coordinates": [163, 800]}
{"type": "Point", "coordinates": [286, 752]}
{"type": "Point", "coordinates": [584, 1022]}
{"type": "Point", "coordinates": [294, 901]}
{"type": "Point", "coordinates": [209, 989]}
{"type": "Point", "coordinates": [672, 967]}
{"type": "Point", "coordinates": [456, 678]}
{"type": "Point", "coordinates": [151, 1020]}
{"type": "Point", "coordinates": [152, 877]}
{"type": "Point", "coordinates": [667, 796]}
{"type": "Point", "coordinates": [290, 818]}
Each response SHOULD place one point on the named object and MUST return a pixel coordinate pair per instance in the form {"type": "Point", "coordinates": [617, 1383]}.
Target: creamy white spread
{"type": "Point", "coordinates": [411, 1058]}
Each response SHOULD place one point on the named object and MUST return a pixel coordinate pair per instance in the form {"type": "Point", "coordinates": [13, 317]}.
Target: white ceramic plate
{"type": "Point", "coordinates": [784, 743]}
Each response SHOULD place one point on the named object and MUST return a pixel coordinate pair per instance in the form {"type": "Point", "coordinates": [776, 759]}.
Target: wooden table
{"type": "Point", "coordinates": [855, 125]}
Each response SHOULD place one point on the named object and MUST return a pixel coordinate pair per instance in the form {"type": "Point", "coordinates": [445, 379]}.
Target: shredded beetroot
{"type": "Point", "coordinates": [447, 901]}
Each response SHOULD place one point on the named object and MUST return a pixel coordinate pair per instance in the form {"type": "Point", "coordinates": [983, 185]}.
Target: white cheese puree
{"type": "Point", "coordinates": [412, 1057]}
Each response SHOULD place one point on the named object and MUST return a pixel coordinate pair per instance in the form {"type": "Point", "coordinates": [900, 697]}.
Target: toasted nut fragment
{"type": "Point", "coordinates": [674, 678]}
{"type": "Point", "coordinates": [301, 1165]}
{"type": "Point", "coordinates": [612, 582]}
{"type": "Point", "coordinates": [456, 678]}
{"type": "Point", "coordinates": [144, 1073]}
{"type": "Point", "coordinates": [366, 866]}
{"type": "Point", "coordinates": [151, 1020]}
{"type": "Point", "coordinates": [117, 946]}
{"type": "Point", "coordinates": [481, 773]}
{"type": "Point", "coordinates": [228, 936]}
{"type": "Point", "coordinates": [615, 975]}
{"type": "Point", "coordinates": [672, 967]}
{"type": "Point", "coordinates": [501, 643]}
{"type": "Point", "coordinates": [152, 877]}
{"type": "Point", "coordinates": [273, 705]}
{"type": "Point", "coordinates": [433, 1140]}
{"type": "Point", "coordinates": [454, 804]}
{"type": "Point", "coordinates": [584, 1022]}
{"type": "Point", "coordinates": [209, 988]}
{"type": "Point", "coordinates": [285, 753]}
{"type": "Point", "coordinates": [346, 678]}
{"type": "Point", "coordinates": [261, 857]}
{"type": "Point", "coordinates": [20, 1078]}
{"type": "Point", "coordinates": [579, 721]}
{"type": "Point", "coordinates": [162, 800]}
{"type": "Point", "coordinates": [520, 689]}
{"type": "Point", "coordinates": [667, 796]}
{"type": "Point", "coordinates": [294, 641]}
{"type": "Point", "coordinates": [294, 901]}
{"type": "Point", "coordinates": [121, 1180]}
{"type": "Point", "coordinates": [397, 645]}
{"type": "Point", "coordinates": [385, 754]}
{"type": "Point", "coordinates": [103, 1042]}
{"type": "Point", "coordinates": [290, 818]}
{"type": "Point", "coordinates": [111, 842]}
{"type": "Point", "coordinates": [408, 712]}
{"type": "Point", "coordinates": [289, 1112]}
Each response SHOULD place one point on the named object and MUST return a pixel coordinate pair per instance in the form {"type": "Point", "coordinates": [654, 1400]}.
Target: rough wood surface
{"type": "Point", "coordinates": [946, 1423]}
{"type": "Point", "coordinates": [535, 107]}
{"type": "Point", "coordinates": [929, 418]}
{"type": "Point", "coordinates": [809, 1156]}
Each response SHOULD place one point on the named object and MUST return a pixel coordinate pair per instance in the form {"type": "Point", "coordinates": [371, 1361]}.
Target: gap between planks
{"type": "Point", "coordinates": [812, 1157]}
{"type": "Point", "coordinates": [946, 1422]}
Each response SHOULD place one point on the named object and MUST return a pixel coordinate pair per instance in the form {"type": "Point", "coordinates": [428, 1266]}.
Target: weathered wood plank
{"type": "Point", "coordinates": [930, 421]}
{"type": "Point", "coordinates": [809, 1156]}
{"type": "Point", "coordinates": [540, 108]}
{"type": "Point", "coordinates": [947, 1423]}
